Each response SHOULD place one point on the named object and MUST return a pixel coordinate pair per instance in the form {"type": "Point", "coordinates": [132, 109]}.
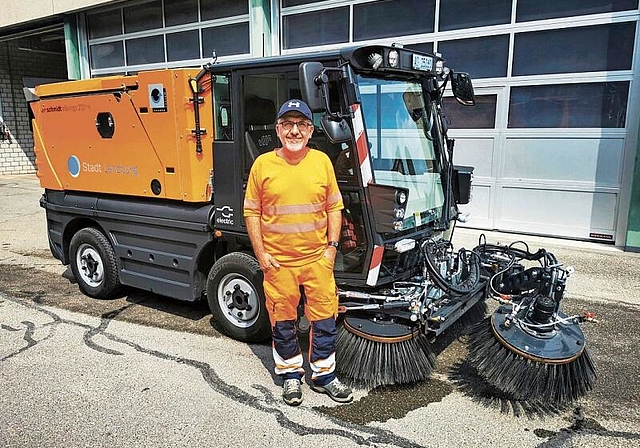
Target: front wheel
{"type": "Point", "coordinates": [236, 297]}
{"type": "Point", "coordinates": [94, 264]}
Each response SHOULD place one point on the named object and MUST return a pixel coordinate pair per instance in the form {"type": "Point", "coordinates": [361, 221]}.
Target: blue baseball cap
{"type": "Point", "coordinates": [295, 105]}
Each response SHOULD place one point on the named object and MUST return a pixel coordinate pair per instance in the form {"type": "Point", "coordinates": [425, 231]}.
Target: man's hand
{"type": "Point", "coordinates": [255, 235]}
{"type": "Point", "coordinates": [267, 261]}
{"type": "Point", "coordinates": [330, 253]}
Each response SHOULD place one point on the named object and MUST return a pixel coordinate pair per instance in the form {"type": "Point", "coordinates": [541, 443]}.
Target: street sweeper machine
{"type": "Point", "coordinates": [144, 179]}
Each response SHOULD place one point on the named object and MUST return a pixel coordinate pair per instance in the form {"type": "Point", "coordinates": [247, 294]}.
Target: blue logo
{"type": "Point", "coordinates": [73, 165]}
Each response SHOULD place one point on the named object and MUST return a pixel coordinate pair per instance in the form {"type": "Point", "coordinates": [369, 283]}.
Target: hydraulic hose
{"type": "Point", "coordinates": [470, 284]}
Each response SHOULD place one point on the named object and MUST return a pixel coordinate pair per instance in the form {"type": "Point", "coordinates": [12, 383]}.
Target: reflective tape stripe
{"type": "Point", "coordinates": [361, 146]}
{"type": "Point", "coordinates": [301, 227]}
{"type": "Point", "coordinates": [374, 267]}
{"type": "Point", "coordinates": [251, 204]}
{"type": "Point", "coordinates": [287, 365]}
{"type": "Point", "coordinates": [333, 199]}
{"type": "Point", "coordinates": [323, 366]}
{"type": "Point", "coordinates": [292, 209]}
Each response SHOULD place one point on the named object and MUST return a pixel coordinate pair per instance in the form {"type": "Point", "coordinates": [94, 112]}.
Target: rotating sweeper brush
{"type": "Point", "coordinates": [381, 352]}
{"type": "Point", "coordinates": [529, 348]}
{"type": "Point", "coordinates": [385, 339]}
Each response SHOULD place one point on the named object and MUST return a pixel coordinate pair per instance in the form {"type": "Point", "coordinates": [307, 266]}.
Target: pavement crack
{"type": "Point", "coordinates": [268, 396]}
{"type": "Point", "coordinates": [105, 320]}
{"type": "Point", "coordinates": [266, 404]}
{"type": "Point", "coordinates": [30, 328]}
{"type": "Point", "coordinates": [581, 426]}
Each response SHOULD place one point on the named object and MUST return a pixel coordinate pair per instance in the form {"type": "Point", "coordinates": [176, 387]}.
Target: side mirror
{"type": "Point", "coordinates": [463, 89]}
{"type": "Point", "coordinates": [313, 84]}
{"type": "Point", "coordinates": [337, 131]}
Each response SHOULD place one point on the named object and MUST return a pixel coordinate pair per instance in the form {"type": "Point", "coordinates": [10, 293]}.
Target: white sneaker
{"type": "Point", "coordinates": [336, 390]}
{"type": "Point", "coordinates": [292, 392]}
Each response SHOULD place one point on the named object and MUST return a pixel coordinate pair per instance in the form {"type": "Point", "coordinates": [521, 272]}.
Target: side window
{"type": "Point", "coordinates": [222, 107]}
{"type": "Point", "coordinates": [261, 96]}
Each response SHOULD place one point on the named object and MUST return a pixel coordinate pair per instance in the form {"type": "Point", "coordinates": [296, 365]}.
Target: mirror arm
{"type": "Point", "coordinates": [322, 81]}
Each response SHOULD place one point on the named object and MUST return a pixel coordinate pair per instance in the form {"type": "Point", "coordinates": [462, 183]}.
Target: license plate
{"type": "Point", "coordinates": [424, 63]}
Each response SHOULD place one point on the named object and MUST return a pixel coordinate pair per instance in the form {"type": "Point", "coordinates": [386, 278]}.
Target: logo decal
{"type": "Point", "coordinates": [294, 104]}
{"type": "Point", "coordinates": [265, 140]}
{"type": "Point", "coordinates": [225, 215]}
{"type": "Point", "coordinates": [73, 165]}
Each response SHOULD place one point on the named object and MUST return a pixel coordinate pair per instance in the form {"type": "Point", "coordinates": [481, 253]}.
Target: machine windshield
{"type": "Point", "coordinates": [401, 146]}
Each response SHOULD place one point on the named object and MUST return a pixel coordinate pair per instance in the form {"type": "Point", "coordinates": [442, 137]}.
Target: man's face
{"type": "Point", "coordinates": [294, 130]}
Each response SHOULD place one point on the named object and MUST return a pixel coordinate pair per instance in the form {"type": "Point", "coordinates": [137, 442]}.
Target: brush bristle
{"type": "Point", "coordinates": [371, 364]}
{"type": "Point", "coordinates": [470, 318]}
{"type": "Point", "coordinates": [524, 379]}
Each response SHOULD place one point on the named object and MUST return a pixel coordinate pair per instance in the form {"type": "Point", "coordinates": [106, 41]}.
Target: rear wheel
{"type": "Point", "coordinates": [236, 297]}
{"type": "Point", "coordinates": [94, 264]}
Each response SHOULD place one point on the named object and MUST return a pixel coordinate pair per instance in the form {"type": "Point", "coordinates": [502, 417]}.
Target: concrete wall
{"type": "Point", "coordinates": [16, 153]}
{"type": "Point", "coordinates": [20, 11]}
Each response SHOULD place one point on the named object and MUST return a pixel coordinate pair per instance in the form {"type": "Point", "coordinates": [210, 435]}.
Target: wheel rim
{"type": "Point", "coordinates": [90, 265]}
{"type": "Point", "coordinates": [238, 300]}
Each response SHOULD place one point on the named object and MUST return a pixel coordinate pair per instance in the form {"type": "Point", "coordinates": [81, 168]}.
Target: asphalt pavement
{"type": "Point", "coordinates": [143, 370]}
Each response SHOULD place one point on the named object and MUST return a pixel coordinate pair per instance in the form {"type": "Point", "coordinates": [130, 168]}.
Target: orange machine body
{"type": "Point", "coordinates": [125, 135]}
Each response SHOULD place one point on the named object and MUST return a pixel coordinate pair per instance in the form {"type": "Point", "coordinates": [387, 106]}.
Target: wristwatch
{"type": "Point", "coordinates": [333, 244]}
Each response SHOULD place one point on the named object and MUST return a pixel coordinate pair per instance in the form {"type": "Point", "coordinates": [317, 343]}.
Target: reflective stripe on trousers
{"type": "Point", "coordinates": [287, 355]}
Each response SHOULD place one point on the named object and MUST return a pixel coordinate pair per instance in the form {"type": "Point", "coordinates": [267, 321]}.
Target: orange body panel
{"type": "Point", "coordinates": [148, 143]}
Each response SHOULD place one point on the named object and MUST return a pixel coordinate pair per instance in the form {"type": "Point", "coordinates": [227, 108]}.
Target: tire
{"type": "Point", "coordinates": [236, 298]}
{"type": "Point", "coordinates": [94, 264]}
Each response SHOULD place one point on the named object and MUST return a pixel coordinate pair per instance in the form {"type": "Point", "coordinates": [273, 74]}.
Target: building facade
{"type": "Point", "coordinates": [553, 137]}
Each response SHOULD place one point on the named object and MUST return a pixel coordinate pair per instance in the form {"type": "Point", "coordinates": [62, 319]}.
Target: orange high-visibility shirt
{"type": "Point", "coordinates": [292, 202]}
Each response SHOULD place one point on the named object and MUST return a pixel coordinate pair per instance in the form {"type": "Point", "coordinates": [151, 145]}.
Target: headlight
{"type": "Point", "coordinates": [393, 58]}
{"type": "Point", "coordinates": [404, 245]}
{"type": "Point", "coordinates": [398, 213]}
{"type": "Point", "coordinates": [401, 197]}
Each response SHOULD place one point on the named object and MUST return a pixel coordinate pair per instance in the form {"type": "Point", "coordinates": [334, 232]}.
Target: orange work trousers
{"type": "Point", "coordinates": [282, 292]}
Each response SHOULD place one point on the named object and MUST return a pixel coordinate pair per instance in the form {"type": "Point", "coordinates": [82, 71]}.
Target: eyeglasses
{"type": "Point", "coordinates": [303, 126]}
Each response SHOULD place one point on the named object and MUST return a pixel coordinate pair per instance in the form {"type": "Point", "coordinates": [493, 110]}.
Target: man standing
{"type": "Point", "coordinates": [293, 211]}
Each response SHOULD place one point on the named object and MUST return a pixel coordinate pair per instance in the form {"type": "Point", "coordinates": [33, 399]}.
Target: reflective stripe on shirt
{"type": "Point", "coordinates": [293, 209]}
{"type": "Point", "coordinates": [300, 227]}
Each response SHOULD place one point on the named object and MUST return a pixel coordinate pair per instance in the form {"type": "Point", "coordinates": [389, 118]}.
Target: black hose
{"type": "Point", "coordinates": [470, 284]}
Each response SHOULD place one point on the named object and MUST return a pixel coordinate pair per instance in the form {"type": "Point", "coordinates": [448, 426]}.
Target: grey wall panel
{"type": "Point", "coordinates": [479, 207]}
{"type": "Point", "coordinates": [557, 212]}
{"type": "Point", "coordinates": [475, 152]}
{"type": "Point", "coordinates": [595, 160]}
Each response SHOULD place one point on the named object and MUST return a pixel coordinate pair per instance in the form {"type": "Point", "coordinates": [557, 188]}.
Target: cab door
{"type": "Point", "coordinates": [227, 178]}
